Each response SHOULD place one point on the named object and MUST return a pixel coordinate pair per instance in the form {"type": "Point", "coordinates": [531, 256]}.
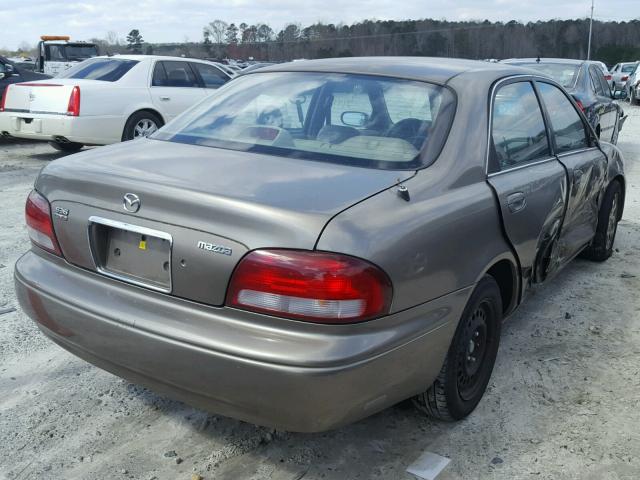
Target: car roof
{"type": "Point", "coordinates": [153, 57]}
{"type": "Point", "coordinates": [566, 61]}
{"type": "Point", "coordinates": [433, 69]}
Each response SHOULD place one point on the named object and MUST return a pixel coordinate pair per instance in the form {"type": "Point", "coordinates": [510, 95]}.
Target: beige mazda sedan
{"type": "Point", "coordinates": [320, 240]}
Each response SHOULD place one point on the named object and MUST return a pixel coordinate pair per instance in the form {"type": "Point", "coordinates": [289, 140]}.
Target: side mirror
{"type": "Point", "coordinates": [354, 119]}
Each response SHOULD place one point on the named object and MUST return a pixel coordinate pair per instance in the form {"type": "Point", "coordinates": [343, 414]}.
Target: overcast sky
{"type": "Point", "coordinates": [175, 20]}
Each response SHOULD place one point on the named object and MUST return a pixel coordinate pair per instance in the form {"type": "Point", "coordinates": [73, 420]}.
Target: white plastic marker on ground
{"type": "Point", "coordinates": [428, 465]}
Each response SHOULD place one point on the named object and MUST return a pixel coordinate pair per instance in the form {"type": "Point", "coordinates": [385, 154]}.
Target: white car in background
{"type": "Point", "coordinates": [107, 99]}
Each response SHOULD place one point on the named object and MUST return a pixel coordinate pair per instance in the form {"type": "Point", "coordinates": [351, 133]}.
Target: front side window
{"type": "Point", "coordinates": [518, 129]}
{"type": "Point", "coordinates": [566, 124]}
{"type": "Point", "coordinates": [105, 69]}
{"type": "Point", "coordinates": [343, 118]}
{"type": "Point", "coordinates": [173, 74]}
{"type": "Point", "coordinates": [80, 52]}
{"type": "Point", "coordinates": [55, 53]}
{"type": "Point", "coordinates": [211, 76]}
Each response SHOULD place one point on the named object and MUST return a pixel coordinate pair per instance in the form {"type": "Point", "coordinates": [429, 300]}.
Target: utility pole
{"type": "Point", "coordinates": [590, 29]}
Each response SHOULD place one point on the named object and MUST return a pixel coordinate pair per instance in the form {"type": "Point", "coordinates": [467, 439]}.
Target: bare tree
{"type": "Point", "coordinates": [217, 30]}
{"type": "Point", "coordinates": [112, 38]}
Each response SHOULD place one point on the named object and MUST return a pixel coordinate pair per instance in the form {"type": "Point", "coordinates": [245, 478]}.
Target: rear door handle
{"type": "Point", "coordinates": [516, 202]}
{"type": "Point", "coordinates": [165, 99]}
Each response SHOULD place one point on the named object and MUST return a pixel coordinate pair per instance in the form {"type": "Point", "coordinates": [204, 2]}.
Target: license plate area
{"type": "Point", "coordinates": [134, 254]}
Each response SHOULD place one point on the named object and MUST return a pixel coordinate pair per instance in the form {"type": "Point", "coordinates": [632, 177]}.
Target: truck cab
{"type": "Point", "coordinates": [57, 53]}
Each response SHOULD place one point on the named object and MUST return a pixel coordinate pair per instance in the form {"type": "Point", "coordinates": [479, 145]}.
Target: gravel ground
{"type": "Point", "coordinates": [563, 402]}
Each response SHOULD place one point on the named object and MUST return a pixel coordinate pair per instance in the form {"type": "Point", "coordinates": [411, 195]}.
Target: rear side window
{"type": "Point", "coordinates": [518, 129]}
{"type": "Point", "coordinates": [566, 124]}
{"type": "Point", "coordinates": [597, 79]}
{"type": "Point", "coordinates": [173, 74]}
{"type": "Point", "coordinates": [211, 76]}
{"type": "Point", "coordinates": [105, 69]}
{"type": "Point", "coordinates": [628, 68]}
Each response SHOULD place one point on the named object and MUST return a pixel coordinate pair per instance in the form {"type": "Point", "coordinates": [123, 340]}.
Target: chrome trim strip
{"type": "Point", "coordinates": [136, 229]}
{"type": "Point", "coordinates": [520, 167]}
{"type": "Point", "coordinates": [573, 152]}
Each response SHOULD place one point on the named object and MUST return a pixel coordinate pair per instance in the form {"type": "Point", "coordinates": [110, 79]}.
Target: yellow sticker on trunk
{"type": "Point", "coordinates": [142, 245]}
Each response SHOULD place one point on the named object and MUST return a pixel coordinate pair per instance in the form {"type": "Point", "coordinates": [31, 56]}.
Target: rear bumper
{"type": "Point", "coordinates": [258, 372]}
{"type": "Point", "coordinates": [89, 130]}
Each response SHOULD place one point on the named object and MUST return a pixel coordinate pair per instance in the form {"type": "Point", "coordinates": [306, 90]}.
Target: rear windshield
{"type": "Point", "coordinates": [377, 122]}
{"type": "Point", "coordinates": [106, 69]}
{"type": "Point", "coordinates": [563, 73]}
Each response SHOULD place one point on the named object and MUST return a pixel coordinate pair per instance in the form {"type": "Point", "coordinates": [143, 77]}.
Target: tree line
{"type": "Point", "coordinates": [612, 42]}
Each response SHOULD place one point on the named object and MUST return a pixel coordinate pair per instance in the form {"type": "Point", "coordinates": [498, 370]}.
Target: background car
{"type": "Point", "coordinates": [12, 73]}
{"type": "Point", "coordinates": [632, 86]}
{"type": "Point", "coordinates": [586, 83]}
{"type": "Point", "coordinates": [323, 239]}
{"type": "Point", "coordinates": [620, 74]}
{"type": "Point", "coordinates": [107, 99]}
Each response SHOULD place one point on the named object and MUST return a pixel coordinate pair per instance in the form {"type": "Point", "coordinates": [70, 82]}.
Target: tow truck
{"type": "Point", "coordinates": [57, 53]}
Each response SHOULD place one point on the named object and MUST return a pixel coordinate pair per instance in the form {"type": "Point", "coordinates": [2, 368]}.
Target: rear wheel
{"type": "Point", "coordinates": [140, 125]}
{"type": "Point", "coordinates": [468, 365]}
{"type": "Point", "coordinates": [632, 97]}
{"type": "Point", "coordinates": [66, 146]}
{"type": "Point", "coordinates": [601, 247]}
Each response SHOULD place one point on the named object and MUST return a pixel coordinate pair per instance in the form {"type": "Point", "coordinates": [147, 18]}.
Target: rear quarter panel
{"type": "Point", "coordinates": [449, 233]}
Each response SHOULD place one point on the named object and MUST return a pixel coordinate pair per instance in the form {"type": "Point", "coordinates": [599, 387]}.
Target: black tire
{"type": "Point", "coordinates": [66, 146]}
{"type": "Point", "coordinates": [138, 119]}
{"type": "Point", "coordinates": [462, 382]}
{"type": "Point", "coordinates": [601, 246]}
{"type": "Point", "coordinates": [632, 97]}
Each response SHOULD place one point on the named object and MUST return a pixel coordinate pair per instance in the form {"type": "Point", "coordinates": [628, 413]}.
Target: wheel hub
{"type": "Point", "coordinates": [144, 128]}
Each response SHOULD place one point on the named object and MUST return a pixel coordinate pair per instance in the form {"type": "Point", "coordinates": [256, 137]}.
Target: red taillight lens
{"type": "Point", "coordinates": [4, 98]}
{"type": "Point", "coordinates": [625, 78]}
{"type": "Point", "coordinates": [313, 286]}
{"type": "Point", "coordinates": [74, 102]}
{"type": "Point", "coordinates": [39, 224]}
{"type": "Point", "coordinates": [607, 77]}
{"type": "Point", "coordinates": [580, 105]}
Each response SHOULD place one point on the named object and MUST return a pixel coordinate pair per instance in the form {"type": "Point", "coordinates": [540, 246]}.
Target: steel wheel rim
{"type": "Point", "coordinates": [476, 340]}
{"type": "Point", "coordinates": [144, 128]}
{"type": "Point", "coordinates": [612, 222]}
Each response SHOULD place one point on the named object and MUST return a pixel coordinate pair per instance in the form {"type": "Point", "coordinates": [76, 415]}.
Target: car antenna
{"type": "Point", "coordinates": [403, 192]}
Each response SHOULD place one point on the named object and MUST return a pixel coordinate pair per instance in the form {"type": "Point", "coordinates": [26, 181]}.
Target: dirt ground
{"type": "Point", "coordinates": [563, 402]}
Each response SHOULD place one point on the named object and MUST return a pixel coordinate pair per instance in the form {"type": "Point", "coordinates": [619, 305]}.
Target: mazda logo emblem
{"type": "Point", "coordinates": [131, 202]}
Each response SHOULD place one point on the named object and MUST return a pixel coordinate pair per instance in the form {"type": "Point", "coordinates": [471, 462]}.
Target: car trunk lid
{"type": "Point", "coordinates": [42, 96]}
{"type": "Point", "coordinates": [215, 204]}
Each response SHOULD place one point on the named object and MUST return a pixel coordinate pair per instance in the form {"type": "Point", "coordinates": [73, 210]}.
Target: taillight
{"type": "Point", "coordinates": [73, 109]}
{"type": "Point", "coordinates": [625, 78]}
{"type": "Point", "coordinates": [4, 98]}
{"type": "Point", "coordinates": [39, 223]}
{"type": "Point", "coordinates": [580, 105]}
{"type": "Point", "coordinates": [313, 286]}
{"type": "Point", "coordinates": [607, 77]}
